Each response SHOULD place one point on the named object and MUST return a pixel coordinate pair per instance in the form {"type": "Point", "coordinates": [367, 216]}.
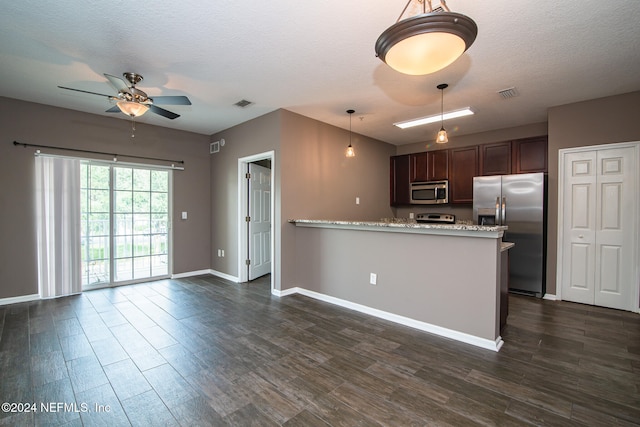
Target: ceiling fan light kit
{"type": "Point", "coordinates": [428, 42]}
{"type": "Point", "coordinates": [132, 108]}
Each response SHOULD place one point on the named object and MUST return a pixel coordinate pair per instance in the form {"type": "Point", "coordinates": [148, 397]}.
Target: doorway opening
{"type": "Point", "coordinates": [256, 209]}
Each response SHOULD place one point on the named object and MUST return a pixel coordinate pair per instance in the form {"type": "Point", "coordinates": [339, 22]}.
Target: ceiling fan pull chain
{"type": "Point", "coordinates": [133, 127]}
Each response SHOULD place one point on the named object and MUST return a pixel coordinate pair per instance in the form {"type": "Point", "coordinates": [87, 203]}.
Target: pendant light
{"type": "Point", "coordinates": [428, 42]}
{"type": "Point", "coordinates": [442, 135]}
{"type": "Point", "coordinates": [350, 151]}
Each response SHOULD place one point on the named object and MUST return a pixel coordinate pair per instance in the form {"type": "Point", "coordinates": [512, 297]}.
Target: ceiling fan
{"type": "Point", "coordinates": [132, 101]}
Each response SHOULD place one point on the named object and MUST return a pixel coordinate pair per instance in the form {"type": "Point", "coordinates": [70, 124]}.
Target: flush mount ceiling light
{"type": "Point", "coordinates": [435, 118]}
{"type": "Point", "coordinates": [350, 151]}
{"type": "Point", "coordinates": [428, 42]}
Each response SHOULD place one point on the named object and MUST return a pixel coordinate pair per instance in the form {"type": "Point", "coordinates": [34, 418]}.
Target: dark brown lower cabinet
{"type": "Point", "coordinates": [463, 167]}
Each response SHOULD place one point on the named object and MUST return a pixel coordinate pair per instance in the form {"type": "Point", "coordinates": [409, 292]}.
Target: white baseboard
{"type": "Point", "coordinates": [208, 271]}
{"type": "Point", "coordinates": [406, 321]}
{"type": "Point", "coordinates": [17, 300]}
{"type": "Point", "coordinates": [225, 276]}
{"type": "Point", "coordinates": [550, 297]}
{"type": "Point", "coordinates": [190, 274]}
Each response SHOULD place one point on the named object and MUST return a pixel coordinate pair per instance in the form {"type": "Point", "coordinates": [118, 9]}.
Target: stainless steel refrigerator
{"type": "Point", "coordinates": [519, 202]}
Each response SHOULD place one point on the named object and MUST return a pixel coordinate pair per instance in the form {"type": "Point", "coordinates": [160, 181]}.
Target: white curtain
{"type": "Point", "coordinates": [58, 226]}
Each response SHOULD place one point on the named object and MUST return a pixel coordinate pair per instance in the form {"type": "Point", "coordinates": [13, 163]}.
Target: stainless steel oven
{"type": "Point", "coordinates": [429, 193]}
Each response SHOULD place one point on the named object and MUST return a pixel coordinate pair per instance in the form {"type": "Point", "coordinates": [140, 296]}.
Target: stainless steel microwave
{"type": "Point", "coordinates": [429, 193]}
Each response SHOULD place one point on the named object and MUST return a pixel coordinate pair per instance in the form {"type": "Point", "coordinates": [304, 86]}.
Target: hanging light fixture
{"type": "Point", "coordinates": [442, 135]}
{"type": "Point", "coordinates": [132, 108]}
{"type": "Point", "coordinates": [350, 151]}
{"type": "Point", "coordinates": [428, 42]}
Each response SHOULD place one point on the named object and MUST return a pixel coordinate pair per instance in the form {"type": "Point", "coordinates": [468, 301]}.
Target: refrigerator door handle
{"type": "Point", "coordinates": [504, 211]}
{"type": "Point", "coordinates": [498, 221]}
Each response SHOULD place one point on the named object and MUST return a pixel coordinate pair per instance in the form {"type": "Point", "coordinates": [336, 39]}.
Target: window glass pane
{"type": "Point", "coordinates": [122, 224]}
{"type": "Point", "coordinates": [123, 201]}
{"type": "Point", "coordinates": [141, 267]}
{"type": "Point", "coordinates": [123, 247]}
{"type": "Point", "coordinates": [141, 201]}
{"type": "Point", "coordinates": [159, 265]}
{"type": "Point", "coordinates": [123, 178]}
{"type": "Point", "coordinates": [141, 245]}
{"type": "Point", "coordinates": [96, 272]}
{"type": "Point", "coordinates": [141, 224]}
{"type": "Point", "coordinates": [142, 179]}
{"type": "Point", "coordinates": [99, 177]}
{"type": "Point", "coordinates": [159, 223]}
{"type": "Point", "coordinates": [98, 224]}
{"type": "Point", "coordinates": [159, 244]}
{"type": "Point", "coordinates": [99, 200]}
{"type": "Point", "coordinates": [160, 181]}
{"type": "Point", "coordinates": [123, 269]}
{"type": "Point", "coordinates": [159, 202]}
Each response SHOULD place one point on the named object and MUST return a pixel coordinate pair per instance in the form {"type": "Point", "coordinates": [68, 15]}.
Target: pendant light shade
{"type": "Point", "coordinates": [442, 137]}
{"type": "Point", "coordinates": [427, 42]}
{"type": "Point", "coordinates": [350, 151]}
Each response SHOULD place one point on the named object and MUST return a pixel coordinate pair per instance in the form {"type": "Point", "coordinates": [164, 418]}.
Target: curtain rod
{"type": "Point", "coordinates": [97, 152]}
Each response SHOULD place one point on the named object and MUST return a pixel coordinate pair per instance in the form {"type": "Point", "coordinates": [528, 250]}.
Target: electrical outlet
{"type": "Point", "coordinates": [373, 278]}
{"type": "Point", "coordinates": [222, 252]}
{"type": "Point", "coordinates": [357, 200]}
{"type": "Point", "coordinates": [219, 252]}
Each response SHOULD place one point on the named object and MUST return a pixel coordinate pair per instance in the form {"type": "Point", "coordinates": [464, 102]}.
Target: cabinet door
{"type": "Point", "coordinates": [430, 166]}
{"type": "Point", "coordinates": [399, 180]}
{"type": "Point", "coordinates": [463, 167]}
{"type": "Point", "coordinates": [495, 159]}
{"type": "Point", "coordinates": [419, 167]}
{"type": "Point", "coordinates": [437, 165]}
{"type": "Point", "coordinates": [530, 155]}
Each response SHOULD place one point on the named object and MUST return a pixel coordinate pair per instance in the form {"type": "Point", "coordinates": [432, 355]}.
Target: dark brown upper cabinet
{"type": "Point", "coordinates": [530, 154]}
{"type": "Point", "coordinates": [495, 159]}
{"type": "Point", "coordinates": [429, 166]}
{"type": "Point", "coordinates": [464, 165]}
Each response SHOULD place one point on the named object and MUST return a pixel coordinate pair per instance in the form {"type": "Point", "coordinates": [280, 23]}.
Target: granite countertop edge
{"type": "Point", "coordinates": [411, 225]}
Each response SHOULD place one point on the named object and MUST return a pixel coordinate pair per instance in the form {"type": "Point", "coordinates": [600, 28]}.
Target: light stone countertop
{"type": "Point", "coordinates": [469, 230]}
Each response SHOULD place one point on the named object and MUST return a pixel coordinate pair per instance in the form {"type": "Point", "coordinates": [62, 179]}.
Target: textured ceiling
{"type": "Point", "coordinates": [317, 59]}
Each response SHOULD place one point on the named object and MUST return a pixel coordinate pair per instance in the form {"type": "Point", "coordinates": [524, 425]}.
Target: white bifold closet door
{"type": "Point", "coordinates": [599, 222]}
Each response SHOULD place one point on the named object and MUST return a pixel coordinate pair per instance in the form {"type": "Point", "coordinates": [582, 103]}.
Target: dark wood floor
{"type": "Point", "coordinates": [203, 351]}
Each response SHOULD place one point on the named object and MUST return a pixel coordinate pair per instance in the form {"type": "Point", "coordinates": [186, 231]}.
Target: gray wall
{"type": "Point", "coordinates": [430, 278]}
{"type": "Point", "coordinates": [598, 121]}
{"type": "Point", "coordinates": [42, 125]}
{"type": "Point", "coordinates": [313, 179]}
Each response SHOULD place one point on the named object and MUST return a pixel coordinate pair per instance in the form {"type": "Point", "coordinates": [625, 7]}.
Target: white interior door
{"type": "Point", "coordinates": [599, 227]}
{"type": "Point", "coordinates": [579, 220]}
{"type": "Point", "coordinates": [615, 225]}
{"type": "Point", "coordinates": [260, 221]}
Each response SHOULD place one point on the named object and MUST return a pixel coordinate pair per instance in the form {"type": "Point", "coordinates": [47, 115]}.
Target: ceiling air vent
{"type": "Point", "coordinates": [243, 103]}
{"type": "Point", "coordinates": [508, 93]}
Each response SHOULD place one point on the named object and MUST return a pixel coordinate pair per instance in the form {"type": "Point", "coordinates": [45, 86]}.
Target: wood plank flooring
{"type": "Point", "coordinates": [204, 351]}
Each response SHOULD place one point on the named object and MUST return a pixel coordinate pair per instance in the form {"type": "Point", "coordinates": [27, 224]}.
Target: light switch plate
{"type": "Point", "coordinates": [184, 215]}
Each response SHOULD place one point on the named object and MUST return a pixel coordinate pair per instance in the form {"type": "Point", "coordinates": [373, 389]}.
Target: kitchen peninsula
{"type": "Point", "coordinates": [443, 279]}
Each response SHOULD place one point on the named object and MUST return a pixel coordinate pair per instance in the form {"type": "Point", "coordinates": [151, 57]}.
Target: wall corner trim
{"type": "Point", "coordinates": [17, 300]}
{"type": "Point", "coordinates": [550, 297]}
{"type": "Point", "coordinates": [225, 276]}
{"type": "Point", "coordinates": [406, 321]}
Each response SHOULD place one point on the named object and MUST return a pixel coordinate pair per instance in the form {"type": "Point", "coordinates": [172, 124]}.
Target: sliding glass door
{"type": "Point", "coordinates": [125, 224]}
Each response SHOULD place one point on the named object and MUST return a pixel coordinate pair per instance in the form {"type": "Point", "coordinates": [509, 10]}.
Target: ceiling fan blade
{"type": "Point", "coordinates": [171, 100]}
{"type": "Point", "coordinates": [86, 91]}
{"type": "Point", "coordinates": [114, 109]}
{"type": "Point", "coordinates": [117, 83]}
{"type": "Point", "coordinates": [165, 113]}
